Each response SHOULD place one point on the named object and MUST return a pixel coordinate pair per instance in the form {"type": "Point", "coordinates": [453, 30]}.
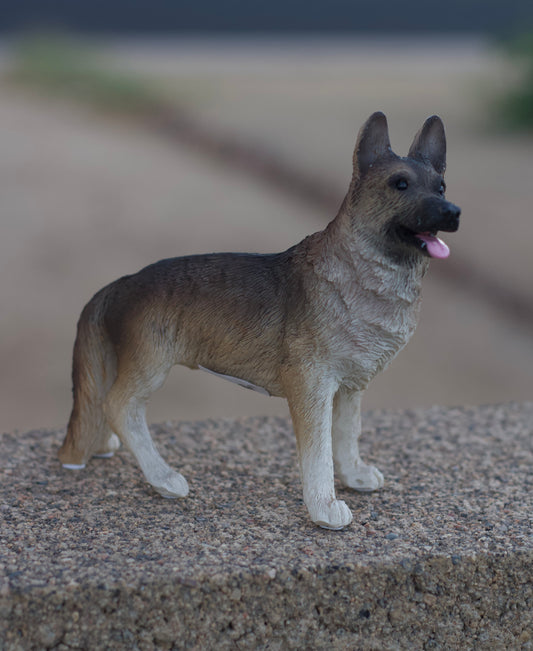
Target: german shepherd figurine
{"type": "Point", "coordinates": [313, 324]}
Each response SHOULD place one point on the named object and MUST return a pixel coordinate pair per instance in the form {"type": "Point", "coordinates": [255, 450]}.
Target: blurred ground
{"type": "Point", "coordinates": [86, 198]}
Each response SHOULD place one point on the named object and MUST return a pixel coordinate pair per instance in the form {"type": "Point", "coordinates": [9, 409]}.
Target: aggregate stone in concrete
{"type": "Point", "coordinates": [440, 558]}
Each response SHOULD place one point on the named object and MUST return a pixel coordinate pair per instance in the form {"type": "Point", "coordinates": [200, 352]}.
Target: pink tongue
{"type": "Point", "coordinates": [435, 246]}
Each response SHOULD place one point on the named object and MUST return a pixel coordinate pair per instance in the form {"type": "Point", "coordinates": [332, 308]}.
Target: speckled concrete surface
{"type": "Point", "coordinates": [441, 558]}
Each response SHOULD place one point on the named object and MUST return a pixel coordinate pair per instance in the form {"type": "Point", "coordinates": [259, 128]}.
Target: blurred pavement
{"type": "Point", "coordinates": [85, 199]}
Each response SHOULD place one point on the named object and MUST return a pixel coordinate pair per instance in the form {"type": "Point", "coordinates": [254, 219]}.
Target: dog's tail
{"type": "Point", "coordinates": [94, 368]}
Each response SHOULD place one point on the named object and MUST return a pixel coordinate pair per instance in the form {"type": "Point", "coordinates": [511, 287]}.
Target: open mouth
{"type": "Point", "coordinates": [432, 245]}
{"type": "Point", "coordinates": [426, 242]}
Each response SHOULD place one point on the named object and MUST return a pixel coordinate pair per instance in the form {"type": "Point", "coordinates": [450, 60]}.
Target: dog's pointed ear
{"type": "Point", "coordinates": [372, 144]}
{"type": "Point", "coordinates": [429, 145]}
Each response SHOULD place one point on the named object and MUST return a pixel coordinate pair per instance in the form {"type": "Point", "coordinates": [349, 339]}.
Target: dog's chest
{"type": "Point", "coordinates": [371, 318]}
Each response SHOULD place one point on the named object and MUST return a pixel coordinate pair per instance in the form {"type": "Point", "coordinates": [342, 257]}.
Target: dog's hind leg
{"type": "Point", "coordinates": [310, 404]}
{"type": "Point", "coordinates": [346, 429]}
{"type": "Point", "coordinates": [125, 408]}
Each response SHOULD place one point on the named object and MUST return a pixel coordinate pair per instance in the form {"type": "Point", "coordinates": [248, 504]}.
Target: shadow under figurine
{"type": "Point", "coordinates": [313, 324]}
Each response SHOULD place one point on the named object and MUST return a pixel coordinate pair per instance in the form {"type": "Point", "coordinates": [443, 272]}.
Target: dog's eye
{"type": "Point", "coordinates": [401, 184]}
{"type": "Point", "coordinates": [442, 188]}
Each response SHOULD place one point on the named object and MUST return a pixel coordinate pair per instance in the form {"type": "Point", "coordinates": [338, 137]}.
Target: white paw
{"type": "Point", "coordinates": [172, 485]}
{"type": "Point", "coordinates": [111, 447]}
{"type": "Point", "coordinates": [330, 515]}
{"type": "Point", "coordinates": [363, 478]}
{"type": "Point", "coordinates": [73, 466]}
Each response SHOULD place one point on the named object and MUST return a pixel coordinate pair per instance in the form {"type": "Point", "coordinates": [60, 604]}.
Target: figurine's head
{"type": "Point", "coordinates": [399, 202]}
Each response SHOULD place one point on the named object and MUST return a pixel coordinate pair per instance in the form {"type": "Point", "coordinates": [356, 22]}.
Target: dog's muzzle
{"type": "Point", "coordinates": [450, 217]}
{"type": "Point", "coordinates": [441, 215]}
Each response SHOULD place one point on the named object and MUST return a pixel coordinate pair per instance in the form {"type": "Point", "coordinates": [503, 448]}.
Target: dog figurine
{"type": "Point", "coordinates": [313, 324]}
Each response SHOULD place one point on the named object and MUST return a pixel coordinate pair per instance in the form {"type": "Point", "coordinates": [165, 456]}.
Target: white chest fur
{"type": "Point", "coordinates": [375, 306]}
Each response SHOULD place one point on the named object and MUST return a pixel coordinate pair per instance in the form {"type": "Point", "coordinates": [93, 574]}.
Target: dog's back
{"type": "Point", "coordinates": [224, 312]}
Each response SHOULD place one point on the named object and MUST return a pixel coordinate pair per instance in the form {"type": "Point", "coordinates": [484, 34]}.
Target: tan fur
{"type": "Point", "coordinates": [313, 324]}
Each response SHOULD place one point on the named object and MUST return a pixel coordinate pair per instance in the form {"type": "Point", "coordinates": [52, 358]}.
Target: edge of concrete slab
{"type": "Point", "coordinates": [441, 557]}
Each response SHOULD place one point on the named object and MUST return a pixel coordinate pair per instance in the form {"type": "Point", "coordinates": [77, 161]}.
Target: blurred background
{"type": "Point", "coordinates": [131, 132]}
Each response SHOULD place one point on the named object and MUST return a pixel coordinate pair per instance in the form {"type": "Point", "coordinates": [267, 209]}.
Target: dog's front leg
{"type": "Point", "coordinates": [346, 429]}
{"type": "Point", "coordinates": [310, 403]}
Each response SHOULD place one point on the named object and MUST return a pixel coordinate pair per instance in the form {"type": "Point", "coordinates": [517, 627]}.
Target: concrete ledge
{"type": "Point", "coordinates": [441, 558]}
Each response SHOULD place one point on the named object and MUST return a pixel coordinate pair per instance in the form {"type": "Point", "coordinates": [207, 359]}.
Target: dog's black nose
{"type": "Point", "coordinates": [450, 213]}
{"type": "Point", "coordinates": [451, 210]}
